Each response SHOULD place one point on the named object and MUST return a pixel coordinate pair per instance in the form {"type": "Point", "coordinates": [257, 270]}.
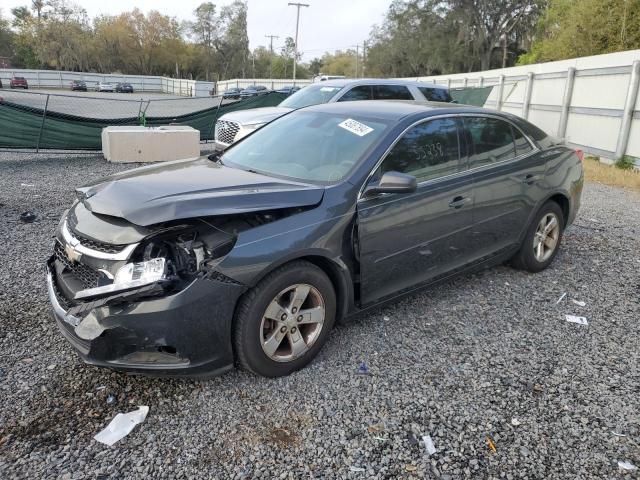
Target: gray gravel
{"type": "Point", "coordinates": [486, 355]}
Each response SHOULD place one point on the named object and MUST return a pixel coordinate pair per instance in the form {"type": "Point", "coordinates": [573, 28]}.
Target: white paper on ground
{"type": "Point", "coordinates": [626, 465]}
{"type": "Point", "coordinates": [428, 444]}
{"type": "Point", "coordinates": [579, 303]}
{"type": "Point", "coordinates": [121, 425]}
{"type": "Point", "coordinates": [574, 319]}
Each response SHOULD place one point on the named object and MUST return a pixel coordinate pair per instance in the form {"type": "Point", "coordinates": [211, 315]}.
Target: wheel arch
{"type": "Point", "coordinates": [563, 201]}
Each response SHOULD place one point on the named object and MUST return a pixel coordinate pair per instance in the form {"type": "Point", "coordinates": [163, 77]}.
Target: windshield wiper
{"type": "Point", "coordinates": [216, 157]}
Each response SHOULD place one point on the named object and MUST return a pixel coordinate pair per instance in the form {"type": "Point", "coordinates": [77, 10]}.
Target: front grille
{"type": "Point", "coordinates": [72, 221]}
{"type": "Point", "coordinates": [226, 131]}
{"type": "Point", "coordinates": [86, 275]}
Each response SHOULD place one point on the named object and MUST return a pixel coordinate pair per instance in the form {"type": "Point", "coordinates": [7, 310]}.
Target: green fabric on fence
{"type": "Point", "coordinates": [20, 126]}
{"type": "Point", "coordinates": [475, 96]}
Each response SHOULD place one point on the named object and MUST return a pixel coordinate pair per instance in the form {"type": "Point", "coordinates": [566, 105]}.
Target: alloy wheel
{"type": "Point", "coordinates": [292, 322]}
{"type": "Point", "coordinates": [545, 240]}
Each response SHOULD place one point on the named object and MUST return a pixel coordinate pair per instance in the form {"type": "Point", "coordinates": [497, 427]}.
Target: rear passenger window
{"type": "Point", "coordinates": [492, 141]}
{"type": "Point", "coordinates": [435, 94]}
{"type": "Point", "coordinates": [363, 92]}
{"type": "Point", "coordinates": [391, 92]}
{"type": "Point", "coordinates": [522, 144]}
{"type": "Point", "coordinates": [427, 151]}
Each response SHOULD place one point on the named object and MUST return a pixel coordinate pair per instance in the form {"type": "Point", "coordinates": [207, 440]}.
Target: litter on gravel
{"type": "Point", "coordinates": [626, 466]}
{"type": "Point", "coordinates": [121, 426]}
{"type": "Point", "coordinates": [28, 217]}
{"type": "Point", "coordinates": [579, 303]}
{"type": "Point", "coordinates": [428, 444]}
{"type": "Point", "coordinates": [561, 298]}
{"type": "Point", "coordinates": [576, 319]}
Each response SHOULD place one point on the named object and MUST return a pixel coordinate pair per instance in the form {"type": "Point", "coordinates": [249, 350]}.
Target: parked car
{"type": "Point", "coordinates": [253, 91]}
{"type": "Point", "coordinates": [104, 87]}
{"type": "Point", "coordinates": [232, 93]}
{"type": "Point", "coordinates": [289, 89]}
{"type": "Point", "coordinates": [233, 126]}
{"type": "Point", "coordinates": [18, 82]}
{"type": "Point", "coordinates": [252, 255]}
{"type": "Point", "coordinates": [124, 88]}
{"type": "Point", "coordinates": [78, 85]}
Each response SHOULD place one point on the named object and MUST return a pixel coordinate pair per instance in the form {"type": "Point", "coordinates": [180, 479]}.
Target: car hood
{"type": "Point", "coordinates": [192, 188]}
{"type": "Point", "coordinates": [255, 115]}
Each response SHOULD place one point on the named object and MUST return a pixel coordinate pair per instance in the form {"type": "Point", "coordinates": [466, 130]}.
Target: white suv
{"type": "Point", "coordinates": [232, 126]}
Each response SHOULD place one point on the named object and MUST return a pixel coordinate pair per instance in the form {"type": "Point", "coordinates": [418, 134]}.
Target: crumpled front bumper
{"type": "Point", "coordinates": [187, 333]}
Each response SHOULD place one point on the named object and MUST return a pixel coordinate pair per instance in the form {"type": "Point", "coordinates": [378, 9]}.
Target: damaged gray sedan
{"type": "Point", "coordinates": [251, 256]}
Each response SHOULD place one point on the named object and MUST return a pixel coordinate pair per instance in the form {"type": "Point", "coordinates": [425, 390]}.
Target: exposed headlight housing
{"type": "Point", "coordinates": [130, 276]}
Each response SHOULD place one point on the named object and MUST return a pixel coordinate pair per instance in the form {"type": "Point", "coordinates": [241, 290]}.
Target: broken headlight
{"type": "Point", "coordinates": [131, 275]}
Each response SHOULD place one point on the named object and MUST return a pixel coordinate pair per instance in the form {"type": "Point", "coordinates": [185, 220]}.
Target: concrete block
{"type": "Point", "coordinates": [124, 144]}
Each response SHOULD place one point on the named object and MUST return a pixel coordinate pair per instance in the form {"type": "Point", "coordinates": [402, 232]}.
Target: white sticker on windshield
{"type": "Point", "coordinates": [356, 127]}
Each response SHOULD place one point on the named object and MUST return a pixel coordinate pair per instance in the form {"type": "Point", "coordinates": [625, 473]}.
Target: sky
{"type": "Point", "coordinates": [326, 25]}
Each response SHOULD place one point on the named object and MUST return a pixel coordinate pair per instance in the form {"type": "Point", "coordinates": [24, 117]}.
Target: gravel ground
{"type": "Point", "coordinates": [485, 356]}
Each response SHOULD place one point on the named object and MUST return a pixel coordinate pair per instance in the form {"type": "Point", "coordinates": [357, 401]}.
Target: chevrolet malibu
{"type": "Point", "coordinates": [251, 256]}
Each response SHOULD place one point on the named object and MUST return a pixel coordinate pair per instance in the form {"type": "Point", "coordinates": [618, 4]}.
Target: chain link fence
{"type": "Point", "coordinates": [32, 120]}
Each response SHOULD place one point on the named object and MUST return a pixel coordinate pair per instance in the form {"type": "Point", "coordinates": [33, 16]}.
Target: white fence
{"type": "Point", "coordinates": [141, 83]}
{"type": "Point", "coordinates": [591, 102]}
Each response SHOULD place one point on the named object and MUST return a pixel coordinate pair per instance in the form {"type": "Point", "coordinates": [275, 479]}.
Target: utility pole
{"type": "Point", "coordinates": [295, 52]}
{"type": "Point", "coordinates": [357, 54]}
{"type": "Point", "coordinates": [271, 37]}
{"type": "Point", "coordinates": [364, 57]}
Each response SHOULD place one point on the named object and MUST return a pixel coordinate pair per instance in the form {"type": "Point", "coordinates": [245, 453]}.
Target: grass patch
{"type": "Point", "coordinates": [595, 171]}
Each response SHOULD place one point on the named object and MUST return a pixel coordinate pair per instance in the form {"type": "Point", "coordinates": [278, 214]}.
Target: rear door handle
{"type": "Point", "coordinates": [530, 179]}
{"type": "Point", "coordinates": [459, 202]}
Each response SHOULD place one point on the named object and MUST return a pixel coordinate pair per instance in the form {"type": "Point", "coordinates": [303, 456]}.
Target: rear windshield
{"type": "Point", "coordinates": [435, 94]}
{"type": "Point", "coordinates": [311, 95]}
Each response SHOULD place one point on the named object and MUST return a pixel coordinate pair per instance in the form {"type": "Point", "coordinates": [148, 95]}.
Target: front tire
{"type": "Point", "coordinates": [542, 240]}
{"type": "Point", "coordinates": [283, 322]}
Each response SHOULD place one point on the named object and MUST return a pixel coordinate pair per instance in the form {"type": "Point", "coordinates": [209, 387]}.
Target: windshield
{"type": "Point", "coordinates": [307, 146]}
{"type": "Point", "coordinates": [311, 95]}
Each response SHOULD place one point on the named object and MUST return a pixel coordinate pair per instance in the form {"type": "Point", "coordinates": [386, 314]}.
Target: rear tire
{"type": "Point", "coordinates": [542, 239]}
{"type": "Point", "coordinates": [282, 323]}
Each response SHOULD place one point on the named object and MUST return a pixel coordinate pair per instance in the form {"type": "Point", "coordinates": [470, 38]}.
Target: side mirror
{"type": "Point", "coordinates": [392, 182]}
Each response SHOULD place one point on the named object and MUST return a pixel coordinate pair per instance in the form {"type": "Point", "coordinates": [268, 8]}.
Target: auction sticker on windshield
{"type": "Point", "coordinates": [356, 127]}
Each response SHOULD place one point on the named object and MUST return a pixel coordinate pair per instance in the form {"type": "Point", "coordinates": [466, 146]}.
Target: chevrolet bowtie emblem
{"type": "Point", "coordinates": [72, 253]}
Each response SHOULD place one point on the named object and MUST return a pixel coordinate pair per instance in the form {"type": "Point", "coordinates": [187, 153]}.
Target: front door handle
{"type": "Point", "coordinates": [530, 179]}
{"type": "Point", "coordinates": [459, 202]}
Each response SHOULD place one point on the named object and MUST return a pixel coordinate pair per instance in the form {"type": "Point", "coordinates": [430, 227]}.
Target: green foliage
{"type": "Point", "coordinates": [571, 29]}
{"type": "Point", "coordinates": [625, 162]}
{"type": "Point", "coordinates": [57, 34]}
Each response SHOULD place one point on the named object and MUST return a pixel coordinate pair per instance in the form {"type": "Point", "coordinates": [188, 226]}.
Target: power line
{"type": "Point", "coordinates": [295, 54]}
{"type": "Point", "coordinates": [271, 37]}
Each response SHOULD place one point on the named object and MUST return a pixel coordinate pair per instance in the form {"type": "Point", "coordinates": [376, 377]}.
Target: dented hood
{"type": "Point", "coordinates": [192, 188]}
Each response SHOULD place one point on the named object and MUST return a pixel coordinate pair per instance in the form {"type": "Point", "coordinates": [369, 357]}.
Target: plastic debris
{"type": "Point", "coordinates": [627, 466]}
{"type": "Point", "coordinates": [428, 444]}
{"type": "Point", "coordinates": [111, 399]}
{"type": "Point", "coordinates": [561, 298]}
{"type": "Point", "coordinates": [619, 434]}
{"type": "Point", "coordinates": [386, 319]}
{"type": "Point", "coordinates": [27, 185]}
{"type": "Point", "coordinates": [492, 446]}
{"type": "Point", "coordinates": [515, 422]}
{"type": "Point", "coordinates": [578, 320]}
{"type": "Point", "coordinates": [28, 217]}
{"type": "Point", "coordinates": [101, 387]}
{"type": "Point", "coordinates": [363, 369]}
{"type": "Point", "coordinates": [375, 428]}
{"type": "Point", "coordinates": [357, 469]}
{"type": "Point", "coordinates": [579, 303]}
{"type": "Point", "coordinates": [121, 426]}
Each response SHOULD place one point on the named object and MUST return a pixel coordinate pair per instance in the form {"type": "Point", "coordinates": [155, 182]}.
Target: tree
{"type": "Point", "coordinates": [571, 29]}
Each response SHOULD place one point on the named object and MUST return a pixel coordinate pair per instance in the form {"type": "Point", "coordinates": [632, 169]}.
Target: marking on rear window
{"type": "Point", "coordinates": [356, 127]}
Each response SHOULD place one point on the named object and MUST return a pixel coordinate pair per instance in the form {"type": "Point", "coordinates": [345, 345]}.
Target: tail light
{"type": "Point", "coordinates": [580, 154]}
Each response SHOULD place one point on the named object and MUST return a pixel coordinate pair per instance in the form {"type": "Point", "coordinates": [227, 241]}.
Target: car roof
{"type": "Point", "coordinates": [347, 82]}
{"type": "Point", "coordinates": [393, 109]}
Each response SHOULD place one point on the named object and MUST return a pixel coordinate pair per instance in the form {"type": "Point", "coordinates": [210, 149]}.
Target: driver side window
{"type": "Point", "coordinates": [427, 151]}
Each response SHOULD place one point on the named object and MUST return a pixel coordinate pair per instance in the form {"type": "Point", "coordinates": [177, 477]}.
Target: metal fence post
{"type": "Point", "coordinates": [566, 102]}
{"type": "Point", "coordinates": [629, 107]}
{"type": "Point", "coordinates": [449, 83]}
{"type": "Point", "coordinates": [527, 96]}
{"type": "Point", "coordinates": [481, 82]}
{"type": "Point", "coordinates": [500, 93]}
{"type": "Point", "coordinates": [466, 82]}
{"type": "Point", "coordinates": [44, 115]}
